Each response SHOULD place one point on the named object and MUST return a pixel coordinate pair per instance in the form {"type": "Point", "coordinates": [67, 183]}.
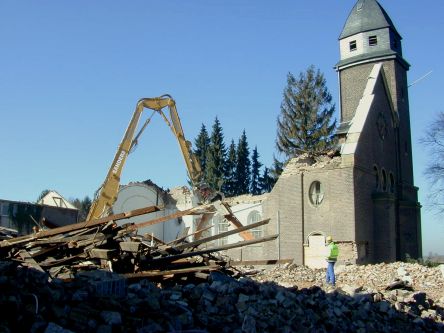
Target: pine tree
{"type": "Point", "coordinates": [255, 173]}
{"type": "Point", "coordinates": [215, 158]}
{"type": "Point", "coordinates": [276, 171]}
{"type": "Point", "coordinates": [305, 123]}
{"type": "Point", "coordinates": [202, 142]}
{"type": "Point", "coordinates": [229, 188]}
{"type": "Point", "coordinates": [266, 182]}
{"type": "Point", "coordinates": [242, 166]}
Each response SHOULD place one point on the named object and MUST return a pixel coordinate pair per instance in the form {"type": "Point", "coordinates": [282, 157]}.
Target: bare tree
{"type": "Point", "coordinates": [433, 141]}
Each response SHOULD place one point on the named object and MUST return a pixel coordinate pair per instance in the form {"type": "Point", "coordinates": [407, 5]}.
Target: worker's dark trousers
{"type": "Point", "coordinates": [331, 272]}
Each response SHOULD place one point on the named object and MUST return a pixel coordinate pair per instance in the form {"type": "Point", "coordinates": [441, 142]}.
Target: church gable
{"type": "Point", "coordinates": [371, 136]}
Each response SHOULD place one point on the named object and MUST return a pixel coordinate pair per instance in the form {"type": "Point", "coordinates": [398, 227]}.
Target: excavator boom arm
{"type": "Point", "coordinates": [107, 193]}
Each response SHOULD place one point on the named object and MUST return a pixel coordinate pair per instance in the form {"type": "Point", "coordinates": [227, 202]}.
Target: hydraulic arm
{"type": "Point", "coordinates": [107, 193]}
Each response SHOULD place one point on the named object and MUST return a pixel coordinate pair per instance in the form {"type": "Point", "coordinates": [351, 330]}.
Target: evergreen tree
{"type": "Point", "coordinates": [305, 123]}
{"type": "Point", "coordinates": [215, 158]}
{"type": "Point", "coordinates": [266, 182]}
{"type": "Point", "coordinates": [83, 206]}
{"type": "Point", "coordinates": [42, 195]}
{"type": "Point", "coordinates": [229, 186]}
{"type": "Point", "coordinates": [202, 142]}
{"type": "Point", "coordinates": [243, 166]}
{"type": "Point", "coordinates": [276, 171]}
{"type": "Point", "coordinates": [255, 173]}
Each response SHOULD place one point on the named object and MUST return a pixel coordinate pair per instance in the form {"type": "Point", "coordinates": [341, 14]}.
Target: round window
{"type": "Point", "coordinates": [316, 193]}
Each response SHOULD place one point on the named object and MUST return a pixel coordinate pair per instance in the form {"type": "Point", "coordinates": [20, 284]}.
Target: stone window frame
{"type": "Point", "coordinates": [253, 217]}
{"type": "Point", "coordinates": [320, 193]}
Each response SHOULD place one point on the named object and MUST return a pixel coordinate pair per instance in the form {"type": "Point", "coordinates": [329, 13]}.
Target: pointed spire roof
{"type": "Point", "coordinates": [366, 15]}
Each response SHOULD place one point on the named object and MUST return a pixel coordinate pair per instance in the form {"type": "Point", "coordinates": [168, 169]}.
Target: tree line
{"type": "Point", "coordinates": [233, 170]}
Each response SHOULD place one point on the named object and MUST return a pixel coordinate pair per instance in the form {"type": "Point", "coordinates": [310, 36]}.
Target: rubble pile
{"type": "Point", "coordinates": [368, 277]}
{"type": "Point", "coordinates": [31, 303]}
{"type": "Point", "coordinates": [98, 276]}
{"type": "Point", "coordinates": [102, 243]}
{"type": "Point", "coordinates": [407, 287]}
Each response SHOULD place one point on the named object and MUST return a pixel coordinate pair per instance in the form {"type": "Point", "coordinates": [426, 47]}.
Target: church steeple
{"type": "Point", "coordinates": [368, 36]}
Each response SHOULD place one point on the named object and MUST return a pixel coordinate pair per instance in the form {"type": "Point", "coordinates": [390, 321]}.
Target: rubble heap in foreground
{"type": "Point", "coordinates": [30, 303]}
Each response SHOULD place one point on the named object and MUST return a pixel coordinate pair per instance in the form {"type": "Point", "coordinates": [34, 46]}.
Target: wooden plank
{"type": "Point", "coordinates": [214, 249]}
{"type": "Point", "coordinates": [102, 253]}
{"type": "Point", "coordinates": [29, 260]}
{"type": "Point", "coordinates": [57, 262]}
{"type": "Point", "coordinates": [202, 223]}
{"type": "Point", "coordinates": [154, 238]}
{"type": "Point", "coordinates": [178, 240]}
{"type": "Point", "coordinates": [260, 262]}
{"type": "Point", "coordinates": [247, 235]}
{"type": "Point", "coordinates": [163, 219]}
{"type": "Point", "coordinates": [221, 235]}
{"type": "Point", "coordinates": [76, 226]}
{"type": "Point", "coordinates": [133, 247]}
{"type": "Point", "coordinates": [153, 273]}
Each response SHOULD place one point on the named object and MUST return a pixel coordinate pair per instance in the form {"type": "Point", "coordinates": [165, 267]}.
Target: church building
{"type": "Point", "coordinates": [364, 196]}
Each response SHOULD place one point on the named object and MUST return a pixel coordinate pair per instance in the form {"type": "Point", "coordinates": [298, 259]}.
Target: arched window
{"type": "Point", "coordinates": [220, 225]}
{"type": "Point", "coordinates": [384, 180]}
{"type": "Point", "coordinates": [376, 173]}
{"type": "Point", "coordinates": [316, 193]}
{"type": "Point", "coordinates": [392, 182]}
{"type": "Point", "coordinates": [254, 217]}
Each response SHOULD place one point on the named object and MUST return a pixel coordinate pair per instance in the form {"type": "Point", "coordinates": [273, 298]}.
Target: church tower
{"type": "Point", "coordinates": [369, 37]}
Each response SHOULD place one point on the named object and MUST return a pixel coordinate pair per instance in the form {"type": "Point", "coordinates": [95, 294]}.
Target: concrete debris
{"type": "Point", "coordinates": [99, 277]}
{"type": "Point", "coordinates": [223, 303]}
{"type": "Point", "coordinates": [370, 278]}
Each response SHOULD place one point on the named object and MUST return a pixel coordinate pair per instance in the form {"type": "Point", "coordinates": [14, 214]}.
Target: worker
{"type": "Point", "coordinates": [332, 257]}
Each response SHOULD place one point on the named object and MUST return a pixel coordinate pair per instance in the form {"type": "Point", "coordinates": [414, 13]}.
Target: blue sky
{"type": "Point", "coordinates": [71, 73]}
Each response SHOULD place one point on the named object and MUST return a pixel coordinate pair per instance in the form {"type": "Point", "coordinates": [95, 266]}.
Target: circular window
{"type": "Point", "coordinates": [316, 193]}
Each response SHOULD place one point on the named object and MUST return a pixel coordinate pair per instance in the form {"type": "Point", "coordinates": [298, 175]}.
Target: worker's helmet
{"type": "Point", "coordinates": [329, 239]}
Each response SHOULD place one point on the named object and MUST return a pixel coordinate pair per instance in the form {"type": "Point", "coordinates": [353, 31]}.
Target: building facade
{"type": "Point", "coordinates": [365, 196]}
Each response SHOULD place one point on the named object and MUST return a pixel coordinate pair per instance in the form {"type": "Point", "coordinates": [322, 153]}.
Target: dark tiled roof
{"type": "Point", "coordinates": [373, 56]}
{"type": "Point", "coordinates": [366, 15]}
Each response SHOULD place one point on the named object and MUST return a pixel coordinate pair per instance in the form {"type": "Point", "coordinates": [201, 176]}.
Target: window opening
{"type": "Point", "coordinates": [392, 183]}
{"type": "Point", "coordinates": [372, 40]}
{"type": "Point", "coordinates": [353, 46]}
{"type": "Point", "coordinates": [316, 193]}
{"type": "Point", "coordinates": [221, 225]}
{"type": "Point", "coordinates": [384, 180]}
{"type": "Point", "coordinates": [376, 173]}
{"type": "Point", "coordinates": [254, 217]}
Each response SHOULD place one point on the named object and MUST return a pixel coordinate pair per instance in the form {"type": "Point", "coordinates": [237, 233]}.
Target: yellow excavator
{"type": "Point", "coordinates": [106, 195]}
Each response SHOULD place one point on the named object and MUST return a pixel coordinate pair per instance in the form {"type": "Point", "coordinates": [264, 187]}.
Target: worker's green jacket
{"type": "Point", "coordinates": [333, 252]}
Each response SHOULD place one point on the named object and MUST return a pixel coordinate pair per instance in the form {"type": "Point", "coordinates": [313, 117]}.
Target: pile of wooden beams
{"type": "Point", "coordinates": [103, 243]}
